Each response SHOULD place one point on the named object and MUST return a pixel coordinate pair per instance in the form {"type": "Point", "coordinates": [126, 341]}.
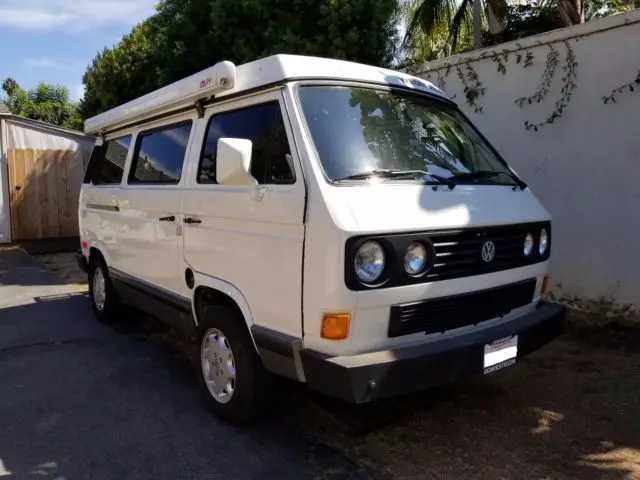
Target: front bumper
{"type": "Point", "coordinates": [383, 374]}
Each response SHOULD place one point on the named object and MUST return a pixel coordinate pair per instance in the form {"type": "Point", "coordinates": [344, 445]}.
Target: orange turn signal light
{"type": "Point", "coordinates": [545, 285]}
{"type": "Point", "coordinates": [335, 326]}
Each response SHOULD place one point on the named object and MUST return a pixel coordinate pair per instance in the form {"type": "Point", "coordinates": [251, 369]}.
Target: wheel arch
{"type": "Point", "coordinates": [218, 291]}
{"type": "Point", "coordinates": [97, 248]}
{"type": "Point", "coordinates": [279, 353]}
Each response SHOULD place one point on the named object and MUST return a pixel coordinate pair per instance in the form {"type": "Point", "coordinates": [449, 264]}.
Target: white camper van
{"type": "Point", "coordinates": [338, 224]}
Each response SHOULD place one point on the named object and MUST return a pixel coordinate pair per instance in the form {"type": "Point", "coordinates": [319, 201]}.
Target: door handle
{"type": "Point", "coordinates": [170, 218]}
{"type": "Point", "coordinates": [189, 220]}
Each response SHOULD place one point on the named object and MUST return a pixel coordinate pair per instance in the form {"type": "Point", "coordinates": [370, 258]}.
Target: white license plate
{"type": "Point", "coordinates": [500, 353]}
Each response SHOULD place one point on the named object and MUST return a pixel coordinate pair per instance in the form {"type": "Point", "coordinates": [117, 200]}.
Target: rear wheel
{"type": "Point", "coordinates": [101, 292]}
{"type": "Point", "coordinates": [231, 373]}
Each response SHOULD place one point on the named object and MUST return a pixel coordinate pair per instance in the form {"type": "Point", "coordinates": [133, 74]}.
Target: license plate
{"type": "Point", "coordinates": [500, 353]}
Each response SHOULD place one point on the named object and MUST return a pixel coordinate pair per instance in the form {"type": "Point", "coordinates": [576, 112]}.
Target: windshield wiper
{"type": "Point", "coordinates": [395, 173]}
{"type": "Point", "coordinates": [478, 174]}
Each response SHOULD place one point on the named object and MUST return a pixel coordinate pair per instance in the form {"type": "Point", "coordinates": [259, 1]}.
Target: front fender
{"type": "Point", "coordinates": [203, 280]}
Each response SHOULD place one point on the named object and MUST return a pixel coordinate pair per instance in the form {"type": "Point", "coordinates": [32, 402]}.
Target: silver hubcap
{"type": "Point", "coordinates": [99, 289]}
{"type": "Point", "coordinates": [218, 365]}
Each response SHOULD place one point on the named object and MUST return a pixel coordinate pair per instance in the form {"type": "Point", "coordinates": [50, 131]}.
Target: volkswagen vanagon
{"type": "Point", "coordinates": [342, 225]}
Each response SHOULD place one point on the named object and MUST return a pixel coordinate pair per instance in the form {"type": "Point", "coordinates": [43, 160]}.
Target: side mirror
{"type": "Point", "coordinates": [233, 162]}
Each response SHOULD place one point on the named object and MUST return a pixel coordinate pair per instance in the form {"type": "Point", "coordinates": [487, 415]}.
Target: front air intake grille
{"type": "Point", "coordinates": [446, 313]}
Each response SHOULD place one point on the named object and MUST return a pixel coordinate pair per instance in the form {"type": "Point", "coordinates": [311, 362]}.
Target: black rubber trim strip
{"type": "Point", "coordinates": [170, 299]}
{"type": "Point", "coordinates": [273, 341]}
{"type": "Point", "coordinates": [108, 208]}
{"type": "Point", "coordinates": [81, 261]}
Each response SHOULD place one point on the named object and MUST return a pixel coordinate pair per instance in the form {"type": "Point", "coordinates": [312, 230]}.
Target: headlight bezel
{"type": "Point", "coordinates": [394, 247]}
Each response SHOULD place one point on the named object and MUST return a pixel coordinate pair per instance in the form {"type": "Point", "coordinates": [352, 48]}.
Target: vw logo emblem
{"type": "Point", "coordinates": [488, 251]}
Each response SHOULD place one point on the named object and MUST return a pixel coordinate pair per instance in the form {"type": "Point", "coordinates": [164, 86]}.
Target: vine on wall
{"type": "Point", "coordinates": [631, 86]}
{"type": "Point", "coordinates": [474, 89]}
{"type": "Point", "coordinates": [568, 87]}
{"type": "Point", "coordinates": [528, 58]}
{"type": "Point", "coordinates": [501, 60]}
{"type": "Point", "coordinates": [547, 77]}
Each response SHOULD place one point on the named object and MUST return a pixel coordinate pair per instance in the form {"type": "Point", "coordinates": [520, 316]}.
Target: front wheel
{"type": "Point", "coordinates": [231, 372]}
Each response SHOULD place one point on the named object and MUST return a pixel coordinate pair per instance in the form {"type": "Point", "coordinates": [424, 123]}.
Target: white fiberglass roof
{"type": "Point", "coordinates": [224, 79]}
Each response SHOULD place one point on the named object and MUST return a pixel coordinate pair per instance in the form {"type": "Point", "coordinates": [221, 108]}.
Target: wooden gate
{"type": "Point", "coordinates": [44, 187]}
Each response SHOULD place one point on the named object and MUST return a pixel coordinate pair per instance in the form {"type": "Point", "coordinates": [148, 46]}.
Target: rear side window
{"type": "Point", "coordinates": [264, 126]}
{"type": "Point", "coordinates": [106, 165]}
{"type": "Point", "coordinates": [159, 154]}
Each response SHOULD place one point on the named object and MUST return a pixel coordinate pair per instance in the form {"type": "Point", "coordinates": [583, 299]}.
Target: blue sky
{"type": "Point", "coordinates": [54, 40]}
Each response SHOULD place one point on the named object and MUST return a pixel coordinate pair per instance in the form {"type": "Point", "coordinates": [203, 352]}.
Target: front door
{"type": "Point", "coordinates": [250, 237]}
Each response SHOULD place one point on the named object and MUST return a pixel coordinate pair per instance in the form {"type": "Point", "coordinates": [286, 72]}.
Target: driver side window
{"type": "Point", "coordinates": [264, 126]}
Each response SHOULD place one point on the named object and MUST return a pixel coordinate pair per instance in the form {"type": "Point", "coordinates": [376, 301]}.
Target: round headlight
{"type": "Point", "coordinates": [415, 259]}
{"type": "Point", "coordinates": [544, 242]}
{"type": "Point", "coordinates": [528, 244]}
{"type": "Point", "coordinates": [369, 262]}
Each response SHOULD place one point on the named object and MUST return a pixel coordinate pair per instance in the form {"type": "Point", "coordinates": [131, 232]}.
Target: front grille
{"type": "Point", "coordinates": [451, 253]}
{"type": "Point", "coordinates": [446, 313]}
{"type": "Point", "coordinates": [459, 254]}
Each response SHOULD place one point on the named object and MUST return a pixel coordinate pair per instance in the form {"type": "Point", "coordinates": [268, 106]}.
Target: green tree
{"type": "Point", "coordinates": [497, 21]}
{"type": "Point", "coordinates": [10, 86]}
{"type": "Point", "coordinates": [186, 36]}
{"type": "Point", "coordinates": [419, 47]}
{"type": "Point", "coordinates": [47, 103]}
{"type": "Point", "coordinates": [456, 20]}
{"type": "Point", "coordinates": [121, 73]}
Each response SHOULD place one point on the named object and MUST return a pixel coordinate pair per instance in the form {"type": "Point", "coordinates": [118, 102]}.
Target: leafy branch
{"type": "Point", "coordinates": [547, 77]}
{"type": "Point", "coordinates": [631, 86]}
{"type": "Point", "coordinates": [473, 88]}
{"type": "Point", "coordinates": [568, 87]}
{"type": "Point", "coordinates": [528, 58]}
{"type": "Point", "coordinates": [501, 60]}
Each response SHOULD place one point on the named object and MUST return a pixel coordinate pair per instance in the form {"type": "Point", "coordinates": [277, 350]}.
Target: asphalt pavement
{"type": "Point", "coordinates": [79, 400]}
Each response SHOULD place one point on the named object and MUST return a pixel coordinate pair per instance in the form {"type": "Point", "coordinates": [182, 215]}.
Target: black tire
{"type": "Point", "coordinates": [108, 312]}
{"type": "Point", "coordinates": [250, 398]}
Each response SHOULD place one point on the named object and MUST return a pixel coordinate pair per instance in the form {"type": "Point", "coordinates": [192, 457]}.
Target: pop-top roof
{"type": "Point", "coordinates": [225, 79]}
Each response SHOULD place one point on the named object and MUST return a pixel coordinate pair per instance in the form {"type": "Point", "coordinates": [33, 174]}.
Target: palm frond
{"type": "Point", "coordinates": [462, 18]}
{"type": "Point", "coordinates": [429, 17]}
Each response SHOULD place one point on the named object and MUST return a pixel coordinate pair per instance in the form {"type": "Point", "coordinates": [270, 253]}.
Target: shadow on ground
{"type": "Point", "coordinates": [82, 400]}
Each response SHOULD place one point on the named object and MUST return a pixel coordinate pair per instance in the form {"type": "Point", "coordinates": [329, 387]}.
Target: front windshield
{"type": "Point", "coordinates": [357, 130]}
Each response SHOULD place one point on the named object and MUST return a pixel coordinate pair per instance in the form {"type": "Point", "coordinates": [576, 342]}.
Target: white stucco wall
{"type": "Point", "coordinates": [585, 167]}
